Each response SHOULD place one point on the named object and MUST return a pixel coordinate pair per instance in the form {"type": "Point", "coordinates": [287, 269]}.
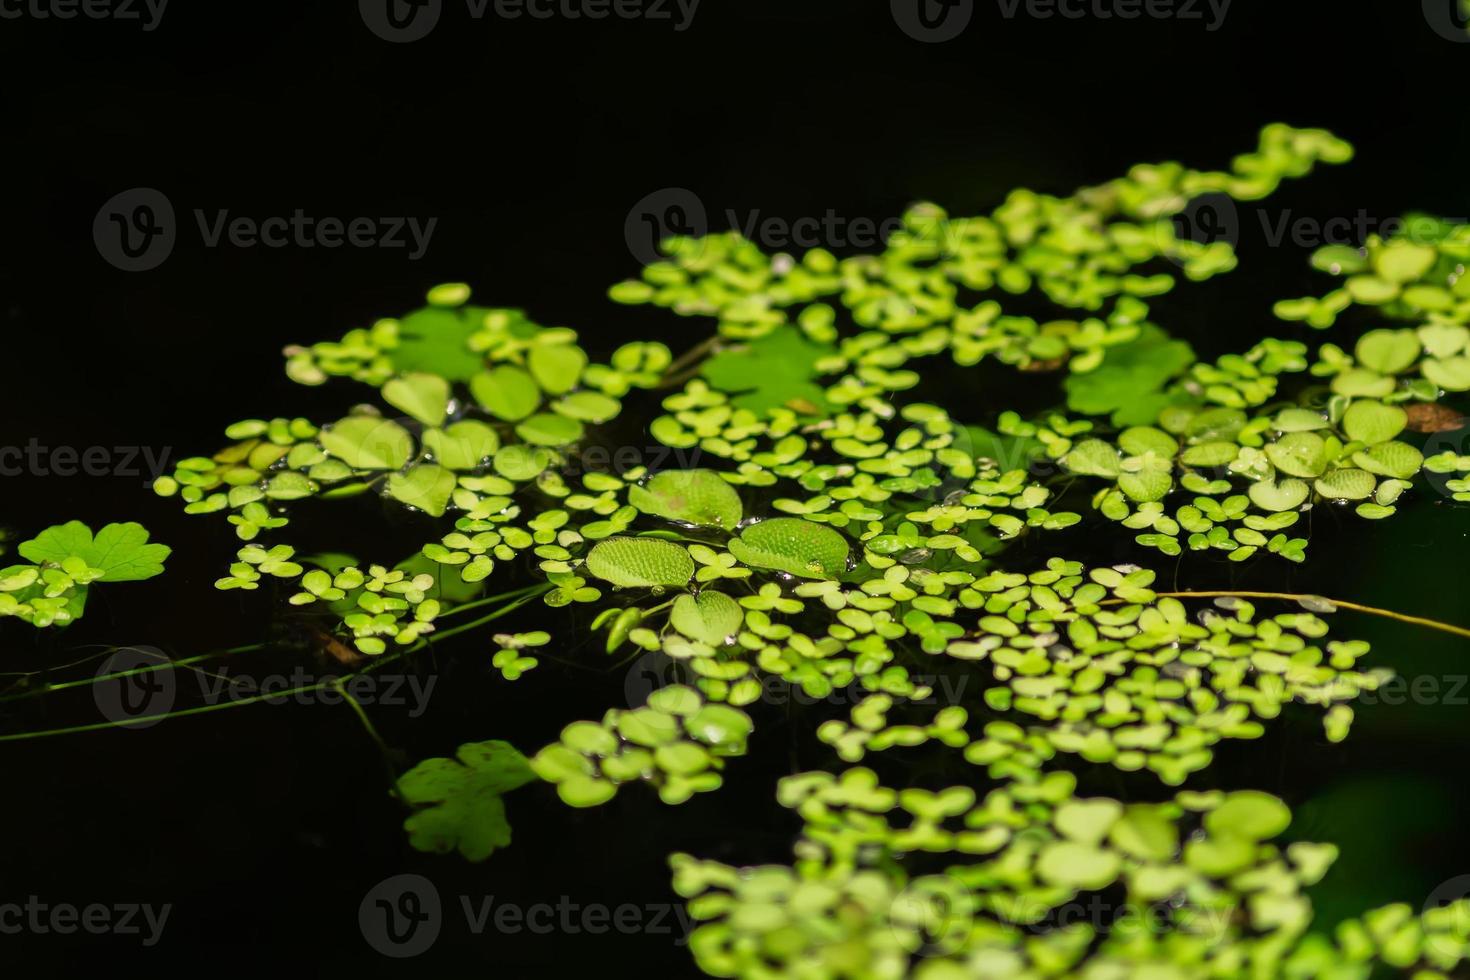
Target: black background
{"type": "Point", "coordinates": [530, 141]}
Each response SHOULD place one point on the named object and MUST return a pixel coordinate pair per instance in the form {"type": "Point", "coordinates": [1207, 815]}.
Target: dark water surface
{"type": "Point", "coordinates": [265, 826]}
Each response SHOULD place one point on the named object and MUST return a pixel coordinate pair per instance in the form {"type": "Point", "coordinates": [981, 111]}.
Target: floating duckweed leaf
{"type": "Point", "coordinates": [545, 429]}
{"type": "Point", "coordinates": [794, 545]}
{"type": "Point", "coordinates": [1093, 457]}
{"type": "Point", "coordinates": [1087, 821]}
{"type": "Point", "coordinates": [424, 397]}
{"type": "Point", "coordinates": [1346, 484]}
{"type": "Point", "coordinates": [691, 496]}
{"type": "Point", "coordinates": [1299, 454]}
{"type": "Point", "coordinates": [1388, 351]}
{"type": "Point", "coordinates": [1449, 373]}
{"type": "Point", "coordinates": [1146, 485]}
{"type": "Point", "coordinates": [1372, 422]}
{"type": "Point", "coordinates": [463, 445]}
{"type": "Point", "coordinates": [640, 563]}
{"type": "Point", "coordinates": [709, 617]}
{"type": "Point", "coordinates": [588, 406]}
{"type": "Point", "coordinates": [426, 486]}
{"type": "Point", "coordinates": [557, 367]}
{"type": "Point", "coordinates": [464, 810]}
{"type": "Point", "coordinates": [1250, 814]}
{"type": "Point", "coordinates": [1299, 420]}
{"type": "Point", "coordinates": [366, 442]}
{"type": "Point", "coordinates": [1279, 495]}
{"type": "Point", "coordinates": [121, 552]}
{"type": "Point", "coordinates": [1400, 261]}
{"type": "Point", "coordinates": [521, 463]}
{"type": "Point", "coordinates": [1071, 864]}
{"type": "Point", "coordinates": [506, 392]}
{"type": "Point", "coordinates": [1395, 459]}
{"type": "Point", "coordinates": [1144, 832]}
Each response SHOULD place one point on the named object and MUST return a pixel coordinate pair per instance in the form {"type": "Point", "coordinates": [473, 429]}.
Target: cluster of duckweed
{"type": "Point", "coordinates": [842, 535]}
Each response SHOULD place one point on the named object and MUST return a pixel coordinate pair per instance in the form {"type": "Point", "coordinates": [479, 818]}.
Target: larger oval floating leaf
{"type": "Point", "coordinates": [506, 392]}
{"type": "Point", "coordinates": [710, 617]}
{"type": "Point", "coordinates": [691, 496]}
{"type": "Point", "coordinates": [557, 367]}
{"type": "Point", "coordinates": [366, 442]}
{"type": "Point", "coordinates": [424, 397]}
{"type": "Point", "coordinates": [426, 487]}
{"type": "Point", "coordinates": [462, 446]}
{"type": "Point", "coordinates": [640, 563]}
{"type": "Point", "coordinates": [1373, 422]}
{"type": "Point", "coordinates": [790, 544]}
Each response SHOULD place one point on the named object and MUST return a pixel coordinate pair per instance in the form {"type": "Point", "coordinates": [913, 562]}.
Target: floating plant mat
{"type": "Point", "coordinates": [975, 620]}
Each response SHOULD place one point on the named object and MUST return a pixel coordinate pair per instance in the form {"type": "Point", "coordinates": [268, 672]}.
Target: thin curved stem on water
{"type": "Point", "coordinates": [479, 603]}
{"type": "Point", "coordinates": [1295, 597]}
{"type": "Point", "coordinates": [166, 665]}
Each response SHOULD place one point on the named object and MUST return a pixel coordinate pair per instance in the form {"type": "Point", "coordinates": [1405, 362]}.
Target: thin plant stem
{"type": "Point", "coordinates": [168, 665]}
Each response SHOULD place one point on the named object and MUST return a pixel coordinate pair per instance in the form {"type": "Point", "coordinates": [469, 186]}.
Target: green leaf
{"type": "Point", "coordinates": [1280, 495]}
{"type": "Point", "coordinates": [557, 367]}
{"type": "Point", "coordinates": [366, 442]}
{"type": "Point", "coordinates": [794, 545]}
{"type": "Point", "coordinates": [709, 617]}
{"type": "Point", "coordinates": [1093, 457]}
{"type": "Point", "coordinates": [1346, 484]}
{"type": "Point", "coordinates": [699, 497]}
{"type": "Point", "coordinates": [1146, 485]}
{"type": "Point", "coordinates": [506, 392]}
{"type": "Point", "coordinates": [521, 463]}
{"type": "Point", "coordinates": [120, 551]}
{"type": "Point", "coordinates": [1400, 262]}
{"type": "Point", "coordinates": [1449, 373]}
{"type": "Point", "coordinates": [1144, 832]}
{"type": "Point", "coordinates": [640, 563]}
{"type": "Point", "coordinates": [545, 429]}
{"type": "Point", "coordinates": [464, 809]}
{"type": "Point", "coordinates": [1071, 864]}
{"type": "Point", "coordinates": [424, 397]}
{"type": "Point", "coordinates": [1388, 351]}
{"type": "Point", "coordinates": [1250, 814]}
{"type": "Point", "coordinates": [774, 371]}
{"type": "Point", "coordinates": [1298, 454]}
{"type": "Point", "coordinates": [1372, 422]}
{"type": "Point", "coordinates": [1395, 459]}
{"type": "Point", "coordinates": [588, 406]}
{"type": "Point", "coordinates": [426, 486]}
{"type": "Point", "coordinates": [463, 445]}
